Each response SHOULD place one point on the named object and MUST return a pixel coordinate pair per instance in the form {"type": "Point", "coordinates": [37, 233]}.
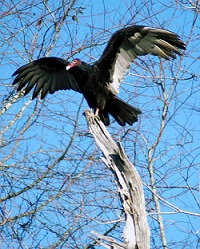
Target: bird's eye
{"type": "Point", "coordinates": [74, 61]}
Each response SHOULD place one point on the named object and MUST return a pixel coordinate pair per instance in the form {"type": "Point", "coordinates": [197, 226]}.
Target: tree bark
{"type": "Point", "coordinates": [136, 231]}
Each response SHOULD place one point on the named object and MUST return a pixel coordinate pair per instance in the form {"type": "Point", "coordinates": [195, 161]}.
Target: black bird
{"type": "Point", "coordinates": [99, 83]}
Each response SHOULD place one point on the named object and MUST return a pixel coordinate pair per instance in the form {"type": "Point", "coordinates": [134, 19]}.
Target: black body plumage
{"type": "Point", "coordinates": [99, 83]}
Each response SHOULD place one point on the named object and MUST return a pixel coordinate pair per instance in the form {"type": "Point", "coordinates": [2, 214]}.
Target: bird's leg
{"type": "Point", "coordinates": [96, 113]}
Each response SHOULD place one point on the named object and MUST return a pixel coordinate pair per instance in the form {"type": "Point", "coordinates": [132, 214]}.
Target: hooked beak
{"type": "Point", "coordinates": [68, 67]}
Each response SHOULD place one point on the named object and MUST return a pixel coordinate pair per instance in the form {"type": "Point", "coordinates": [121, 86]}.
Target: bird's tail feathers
{"type": "Point", "coordinates": [122, 112]}
{"type": "Point", "coordinates": [104, 117]}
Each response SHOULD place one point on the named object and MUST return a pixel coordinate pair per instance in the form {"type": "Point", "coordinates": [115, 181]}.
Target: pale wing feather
{"type": "Point", "coordinates": [137, 41]}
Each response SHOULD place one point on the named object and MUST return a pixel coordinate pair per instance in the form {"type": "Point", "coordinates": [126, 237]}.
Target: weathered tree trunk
{"type": "Point", "coordinates": [136, 232]}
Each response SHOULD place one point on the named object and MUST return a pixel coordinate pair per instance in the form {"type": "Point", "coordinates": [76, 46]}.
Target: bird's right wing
{"type": "Point", "coordinates": [46, 74]}
{"type": "Point", "coordinates": [128, 43]}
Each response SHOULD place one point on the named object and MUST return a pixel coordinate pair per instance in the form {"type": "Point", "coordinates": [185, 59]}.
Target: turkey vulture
{"type": "Point", "coordinates": [99, 83]}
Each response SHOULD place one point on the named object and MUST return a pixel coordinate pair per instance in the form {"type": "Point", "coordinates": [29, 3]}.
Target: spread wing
{"type": "Point", "coordinates": [128, 43]}
{"type": "Point", "coordinates": [46, 74]}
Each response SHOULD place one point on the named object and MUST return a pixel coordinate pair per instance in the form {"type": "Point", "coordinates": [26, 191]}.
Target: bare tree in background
{"type": "Point", "coordinates": [54, 187]}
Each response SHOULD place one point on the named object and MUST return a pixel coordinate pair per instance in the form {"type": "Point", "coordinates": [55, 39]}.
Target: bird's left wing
{"type": "Point", "coordinates": [128, 43]}
{"type": "Point", "coordinates": [46, 74]}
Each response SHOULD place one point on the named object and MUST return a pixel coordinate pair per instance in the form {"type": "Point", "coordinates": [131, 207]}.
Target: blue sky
{"type": "Point", "coordinates": [176, 159]}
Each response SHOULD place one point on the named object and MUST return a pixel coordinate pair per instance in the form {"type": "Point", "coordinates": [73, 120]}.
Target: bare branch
{"type": "Point", "coordinates": [136, 232]}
